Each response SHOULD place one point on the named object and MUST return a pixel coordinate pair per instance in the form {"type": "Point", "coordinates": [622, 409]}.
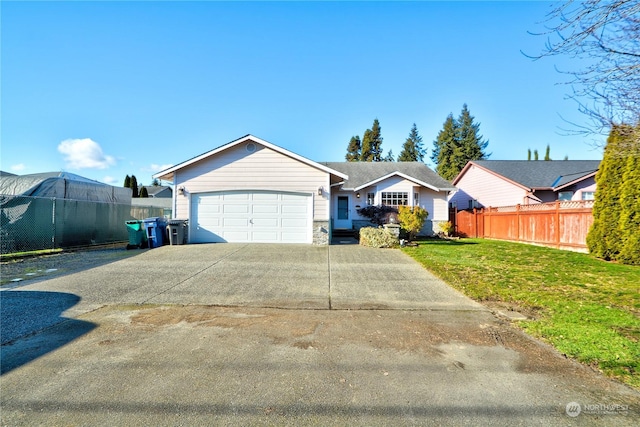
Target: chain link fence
{"type": "Point", "coordinates": [35, 223]}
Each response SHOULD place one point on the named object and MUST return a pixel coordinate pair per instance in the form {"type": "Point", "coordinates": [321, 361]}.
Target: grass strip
{"type": "Point", "coordinates": [586, 308]}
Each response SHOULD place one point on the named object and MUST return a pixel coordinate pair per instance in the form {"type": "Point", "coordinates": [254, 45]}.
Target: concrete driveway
{"type": "Point", "coordinates": [277, 276]}
{"type": "Point", "coordinates": [242, 335]}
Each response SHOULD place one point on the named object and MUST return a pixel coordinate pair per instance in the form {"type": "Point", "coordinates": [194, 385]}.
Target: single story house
{"type": "Point", "coordinates": [250, 190]}
{"type": "Point", "coordinates": [157, 191]}
{"type": "Point", "coordinates": [484, 183]}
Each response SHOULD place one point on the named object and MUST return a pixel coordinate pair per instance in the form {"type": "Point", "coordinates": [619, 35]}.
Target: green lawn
{"type": "Point", "coordinates": [587, 308]}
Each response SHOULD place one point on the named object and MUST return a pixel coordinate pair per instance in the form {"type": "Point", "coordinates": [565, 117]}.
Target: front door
{"type": "Point", "coordinates": [343, 214]}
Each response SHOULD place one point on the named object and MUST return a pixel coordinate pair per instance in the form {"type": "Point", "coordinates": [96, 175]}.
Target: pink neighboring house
{"type": "Point", "coordinates": [484, 183]}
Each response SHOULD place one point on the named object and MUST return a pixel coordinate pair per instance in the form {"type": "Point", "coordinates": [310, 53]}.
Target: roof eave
{"type": "Point", "coordinates": [405, 176]}
{"type": "Point", "coordinates": [169, 172]}
{"type": "Point", "coordinates": [575, 181]}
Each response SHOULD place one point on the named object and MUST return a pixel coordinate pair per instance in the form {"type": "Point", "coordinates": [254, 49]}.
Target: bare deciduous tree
{"type": "Point", "coordinates": [603, 36]}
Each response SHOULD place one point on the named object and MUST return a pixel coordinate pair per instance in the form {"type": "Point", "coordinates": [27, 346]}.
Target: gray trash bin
{"type": "Point", "coordinates": [177, 230]}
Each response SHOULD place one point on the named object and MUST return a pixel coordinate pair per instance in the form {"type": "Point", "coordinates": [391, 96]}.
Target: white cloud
{"type": "Point", "coordinates": [156, 168]}
{"type": "Point", "coordinates": [109, 180]}
{"type": "Point", "coordinates": [84, 154]}
{"type": "Point", "coordinates": [18, 168]}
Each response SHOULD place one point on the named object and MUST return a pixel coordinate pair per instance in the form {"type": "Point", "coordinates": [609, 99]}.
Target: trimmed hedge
{"type": "Point", "coordinates": [377, 238]}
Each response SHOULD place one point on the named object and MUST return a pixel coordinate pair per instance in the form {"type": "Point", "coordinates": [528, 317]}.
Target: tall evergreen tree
{"type": "Point", "coordinates": [473, 146]}
{"type": "Point", "coordinates": [366, 153]}
{"type": "Point", "coordinates": [547, 154]}
{"type": "Point", "coordinates": [369, 149]}
{"type": "Point", "coordinates": [444, 146]}
{"type": "Point", "coordinates": [529, 154]}
{"type": "Point", "coordinates": [372, 144]}
{"type": "Point", "coordinates": [353, 149]}
{"type": "Point", "coordinates": [535, 155]}
{"type": "Point", "coordinates": [629, 224]}
{"type": "Point", "coordinates": [376, 141]}
{"type": "Point", "coordinates": [127, 182]}
{"type": "Point", "coordinates": [458, 143]}
{"type": "Point", "coordinates": [389, 157]}
{"type": "Point", "coordinates": [134, 186]}
{"type": "Point", "coordinates": [412, 150]}
{"type": "Point", "coordinates": [604, 235]}
{"type": "Point", "coordinates": [143, 192]}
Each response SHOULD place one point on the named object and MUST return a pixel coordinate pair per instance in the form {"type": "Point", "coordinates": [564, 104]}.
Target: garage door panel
{"type": "Point", "coordinates": [251, 216]}
{"type": "Point", "coordinates": [265, 209]}
{"type": "Point", "coordinates": [235, 209]}
{"type": "Point", "coordinates": [236, 236]}
{"type": "Point", "coordinates": [235, 222]}
{"type": "Point", "coordinates": [292, 196]}
{"type": "Point", "coordinates": [294, 209]}
{"type": "Point", "coordinates": [288, 237]}
{"type": "Point", "coordinates": [266, 197]}
{"type": "Point", "coordinates": [297, 223]}
{"type": "Point", "coordinates": [232, 197]}
{"type": "Point", "coordinates": [264, 236]}
{"type": "Point", "coordinates": [266, 222]}
{"type": "Point", "coordinates": [212, 221]}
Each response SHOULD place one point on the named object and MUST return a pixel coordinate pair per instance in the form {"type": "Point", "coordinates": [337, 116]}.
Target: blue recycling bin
{"type": "Point", "coordinates": [156, 228]}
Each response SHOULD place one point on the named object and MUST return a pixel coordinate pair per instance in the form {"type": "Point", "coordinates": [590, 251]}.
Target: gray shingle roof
{"type": "Point", "coordinates": [541, 174]}
{"type": "Point", "coordinates": [362, 173]}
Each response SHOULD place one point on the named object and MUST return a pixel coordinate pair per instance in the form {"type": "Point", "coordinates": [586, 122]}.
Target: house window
{"type": "Point", "coordinates": [588, 195]}
{"type": "Point", "coordinates": [395, 199]}
{"type": "Point", "coordinates": [371, 198]}
{"type": "Point", "coordinates": [416, 199]}
{"type": "Point", "coordinates": [565, 195]}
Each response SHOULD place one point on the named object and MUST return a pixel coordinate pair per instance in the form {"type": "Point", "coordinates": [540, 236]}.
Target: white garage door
{"type": "Point", "coordinates": [251, 216]}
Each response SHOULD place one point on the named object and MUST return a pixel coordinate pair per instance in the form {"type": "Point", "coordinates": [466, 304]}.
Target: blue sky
{"type": "Point", "coordinates": [106, 89]}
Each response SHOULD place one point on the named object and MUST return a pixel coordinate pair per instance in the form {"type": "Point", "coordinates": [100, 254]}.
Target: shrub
{"type": "Point", "coordinates": [412, 219]}
{"type": "Point", "coordinates": [377, 214]}
{"type": "Point", "coordinates": [377, 238]}
{"type": "Point", "coordinates": [447, 228]}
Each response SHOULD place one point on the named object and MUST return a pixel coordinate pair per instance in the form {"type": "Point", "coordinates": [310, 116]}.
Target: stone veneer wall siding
{"type": "Point", "coordinates": [320, 232]}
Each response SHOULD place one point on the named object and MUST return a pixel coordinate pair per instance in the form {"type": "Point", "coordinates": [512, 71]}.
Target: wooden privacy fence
{"type": "Point", "coordinates": [562, 225]}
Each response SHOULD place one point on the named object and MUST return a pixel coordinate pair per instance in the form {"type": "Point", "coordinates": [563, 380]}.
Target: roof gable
{"type": "Point", "coordinates": [167, 174]}
{"type": "Point", "coordinates": [552, 174]}
{"type": "Point", "coordinates": [365, 174]}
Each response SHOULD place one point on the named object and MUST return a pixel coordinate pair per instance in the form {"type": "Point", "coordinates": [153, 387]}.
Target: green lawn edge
{"type": "Point", "coordinates": [587, 308]}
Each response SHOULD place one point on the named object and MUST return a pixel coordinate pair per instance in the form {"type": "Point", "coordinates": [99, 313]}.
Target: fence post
{"type": "Point", "coordinates": [519, 238]}
{"type": "Point", "coordinates": [557, 228]}
{"type": "Point", "coordinates": [53, 222]}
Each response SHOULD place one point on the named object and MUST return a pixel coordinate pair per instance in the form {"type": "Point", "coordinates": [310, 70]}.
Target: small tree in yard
{"type": "Point", "coordinates": [412, 219]}
{"type": "Point", "coordinates": [143, 192]}
{"type": "Point", "coordinates": [377, 214]}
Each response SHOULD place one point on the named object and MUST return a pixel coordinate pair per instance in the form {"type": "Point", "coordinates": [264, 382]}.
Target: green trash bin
{"type": "Point", "coordinates": [137, 234]}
